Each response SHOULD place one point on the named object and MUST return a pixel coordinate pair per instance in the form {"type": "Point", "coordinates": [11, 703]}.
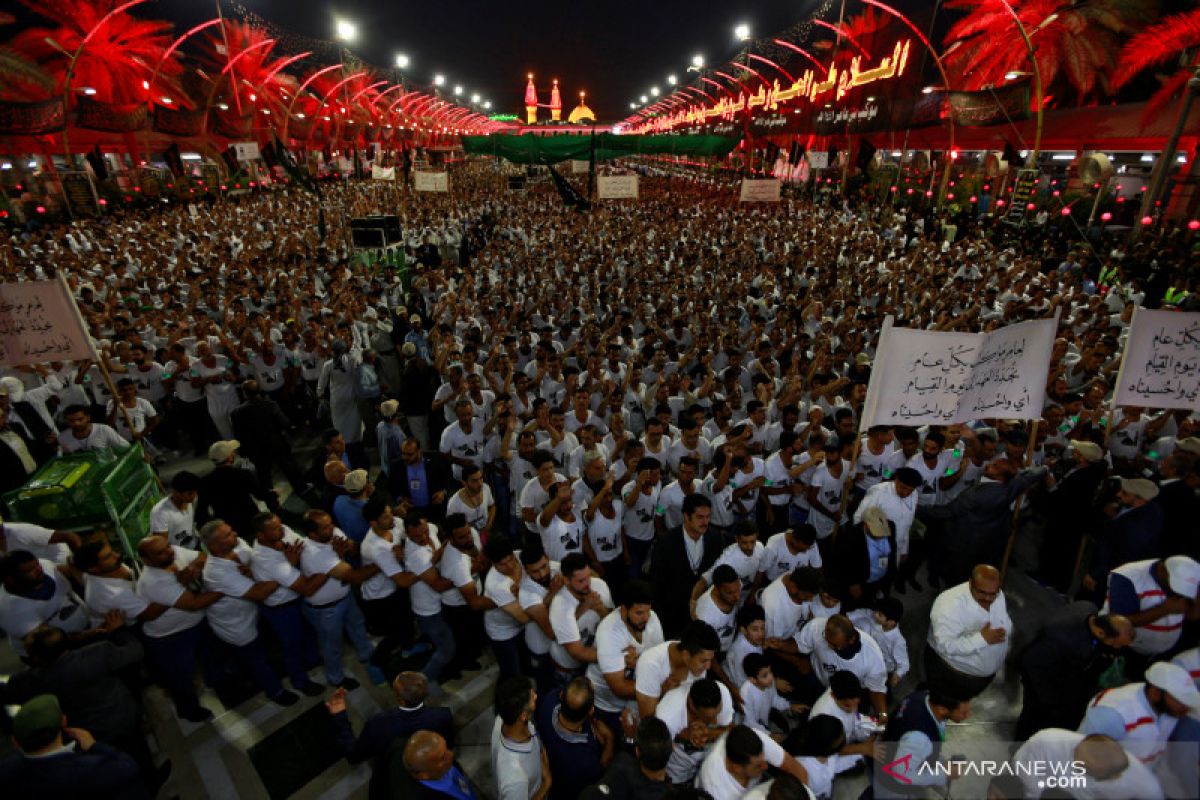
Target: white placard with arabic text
{"type": "Point", "coordinates": [937, 378]}
{"type": "Point", "coordinates": [39, 322]}
{"type": "Point", "coordinates": [246, 151]}
{"type": "Point", "coordinates": [760, 190]}
{"type": "Point", "coordinates": [432, 182]}
{"type": "Point", "coordinates": [1161, 367]}
{"type": "Point", "coordinates": [383, 173]}
{"type": "Point", "coordinates": [579, 167]}
{"type": "Point", "coordinates": [818, 159]}
{"type": "Point", "coordinates": [617, 187]}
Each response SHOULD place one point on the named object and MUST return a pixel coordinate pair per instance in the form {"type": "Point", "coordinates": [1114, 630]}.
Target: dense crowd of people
{"type": "Point", "coordinates": [618, 453]}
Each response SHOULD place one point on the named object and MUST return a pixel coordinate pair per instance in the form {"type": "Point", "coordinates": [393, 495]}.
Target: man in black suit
{"type": "Point", "coordinates": [1069, 511]}
{"type": "Point", "coordinates": [17, 456]}
{"type": "Point", "coordinates": [979, 522]}
{"type": "Point", "coordinates": [53, 760]}
{"type": "Point", "coordinates": [263, 431]}
{"type": "Point", "coordinates": [679, 559]}
{"type": "Point", "coordinates": [24, 417]}
{"type": "Point", "coordinates": [425, 769]}
{"type": "Point", "coordinates": [1133, 534]}
{"type": "Point", "coordinates": [229, 491]}
{"type": "Point", "coordinates": [1181, 509]}
{"type": "Point", "coordinates": [423, 478]}
{"type": "Point", "coordinates": [410, 715]}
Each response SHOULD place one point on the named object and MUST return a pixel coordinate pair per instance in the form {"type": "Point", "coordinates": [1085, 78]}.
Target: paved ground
{"type": "Point", "coordinates": [211, 761]}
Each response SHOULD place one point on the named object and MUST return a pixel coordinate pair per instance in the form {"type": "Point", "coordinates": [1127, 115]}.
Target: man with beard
{"type": "Point", "coordinates": [1060, 666]}
{"type": "Point", "coordinates": [621, 637]}
{"type": "Point", "coordinates": [575, 613]}
{"type": "Point", "coordinates": [537, 590]}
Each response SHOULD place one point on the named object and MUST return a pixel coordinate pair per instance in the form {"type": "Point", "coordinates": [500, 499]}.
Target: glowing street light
{"type": "Point", "coordinates": [633, 106]}
{"type": "Point", "coordinates": [458, 90]}
{"type": "Point", "coordinates": [654, 91]}
{"type": "Point", "coordinates": [475, 98]}
{"type": "Point", "coordinates": [698, 61]}
{"type": "Point", "coordinates": [742, 32]}
{"type": "Point", "coordinates": [487, 104]}
{"type": "Point", "coordinates": [671, 79]}
{"type": "Point", "coordinates": [439, 79]}
{"type": "Point", "coordinates": [347, 31]}
{"type": "Point", "coordinates": [645, 99]}
{"type": "Point", "coordinates": [402, 61]}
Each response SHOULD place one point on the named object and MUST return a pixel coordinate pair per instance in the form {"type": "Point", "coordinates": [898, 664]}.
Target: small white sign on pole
{"type": "Point", "coordinates": [817, 159]}
{"type": "Point", "coordinates": [579, 167]}
{"type": "Point", "coordinates": [1161, 364]}
{"type": "Point", "coordinates": [760, 190]}
{"type": "Point", "coordinates": [936, 378]}
{"type": "Point", "coordinates": [432, 182]}
{"type": "Point", "coordinates": [39, 322]}
{"type": "Point", "coordinates": [383, 173]}
{"type": "Point", "coordinates": [617, 187]}
{"type": "Point", "coordinates": [246, 151]}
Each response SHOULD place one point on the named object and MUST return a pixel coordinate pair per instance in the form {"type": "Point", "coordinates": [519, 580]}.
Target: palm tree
{"type": "Point", "coordinates": [1075, 42]}
{"type": "Point", "coordinates": [16, 71]}
{"type": "Point", "coordinates": [1173, 42]}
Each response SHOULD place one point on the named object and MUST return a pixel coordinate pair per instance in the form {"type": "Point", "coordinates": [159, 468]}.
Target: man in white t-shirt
{"type": "Point", "coordinates": [175, 515]}
{"type": "Point", "coordinates": [276, 557]}
{"type": "Point", "coordinates": [420, 548]}
{"type": "Point", "coordinates": [832, 644]}
{"type": "Point", "coordinates": [622, 636]}
{"type": "Point", "coordinates": [737, 761]}
{"type": "Point", "coordinates": [505, 624]}
{"type": "Point", "coordinates": [171, 641]}
{"type": "Point", "coordinates": [83, 434]}
{"type": "Point", "coordinates": [332, 610]}
{"type": "Point", "coordinates": [696, 716]}
{"type": "Point", "coordinates": [234, 618]}
{"type": "Point", "coordinates": [575, 613]}
{"type": "Point", "coordinates": [55, 546]}
{"type": "Point", "coordinates": [539, 585]}
{"type": "Point", "coordinates": [35, 593]}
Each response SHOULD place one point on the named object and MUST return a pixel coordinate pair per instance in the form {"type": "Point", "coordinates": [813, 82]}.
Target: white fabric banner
{"type": "Point", "coordinates": [760, 190]}
{"type": "Point", "coordinates": [579, 167]}
{"type": "Point", "coordinates": [383, 173]}
{"type": "Point", "coordinates": [818, 159]}
{"type": "Point", "coordinates": [937, 378]}
{"type": "Point", "coordinates": [246, 151]}
{"type": "Point", "coordinates": [617, 187]}
{"type": "Point", "coordinates": [40, 322]}
{"type": "Point", "coordinates": [432, 182]}
{"type": "Point", "coordinates": [1161, 366]}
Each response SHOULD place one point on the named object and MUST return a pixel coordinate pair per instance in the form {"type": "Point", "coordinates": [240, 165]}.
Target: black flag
{"type": "Point", "coordinates": [96, 159]}
{"type": "Point", "coordinates": [866, 152]}
{"type": "Point", "coordinates": [570, 195]}
{"type": "Point", "coordinates": [1012, 156]}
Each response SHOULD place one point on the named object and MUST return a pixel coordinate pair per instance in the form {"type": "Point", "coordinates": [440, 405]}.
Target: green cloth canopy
{"type": "Point", "coordinates": [533, 149]}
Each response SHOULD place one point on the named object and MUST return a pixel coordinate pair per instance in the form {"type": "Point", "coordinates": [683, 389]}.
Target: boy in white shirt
{"type": "Point", "coordinates": [760, 696]}
{"type": "Point", "coordinates": [883, 625]}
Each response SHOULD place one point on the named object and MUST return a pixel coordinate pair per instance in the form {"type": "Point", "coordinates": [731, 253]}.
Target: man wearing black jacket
{"type": "Point", "coordinates": [18, 461]}
{"type": "Point", "coordinates": [263, 430]}
{"type": "Point", "coordinates": [409, 716]}
{"type": "Point", "coordinates": [1069, 512]}
{"type": "Point", "coordinates": [229, 491]}
{"type": "Point", "coordinates": [679, 559]}
{"type": "Point", "coordinates": [423, 478]}
{"type": "Point", "coordinates": [865, 560]}
{"type": "Point", "coordinates": [424, 769]}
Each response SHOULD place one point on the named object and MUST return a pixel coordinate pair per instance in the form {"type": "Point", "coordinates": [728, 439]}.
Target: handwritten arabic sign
{"type": "Point", "coordinates": [617, 187]}
{"type": "Point", "coordinates": [760, 190]}
{"type": "Point", "coordinates": [38, 323]}
{"type": "Point", "coordinates": [932, 377]}
{"type": "Point", "coordinates": [431, 182]}
{"type": "Point", "coordinates": [1161, 368]}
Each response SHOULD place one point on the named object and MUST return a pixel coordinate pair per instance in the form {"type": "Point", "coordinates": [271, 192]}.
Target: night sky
{"type": "Point", "coordinates": [614, 50]}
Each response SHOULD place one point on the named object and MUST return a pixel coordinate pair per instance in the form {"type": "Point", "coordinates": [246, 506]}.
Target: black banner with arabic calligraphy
{"type": "Point", "coordinates": [990, 106]}
{"type": "Point", "coordinates": [176, 122]}
{"type": "Point", "coordinates": [110, 117]}
{"type": "Point", "coordinates": [27, 119]}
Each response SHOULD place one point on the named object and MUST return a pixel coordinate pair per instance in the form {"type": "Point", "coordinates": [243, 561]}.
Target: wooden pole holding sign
{"type": "Point", "coordinates": [100, 362]}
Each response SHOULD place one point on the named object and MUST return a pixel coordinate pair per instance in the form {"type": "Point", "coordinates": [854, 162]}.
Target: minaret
{"type": "Point", "coordinates": [555, 103]}
{"type": "Point", "coordinates": [530, 102]}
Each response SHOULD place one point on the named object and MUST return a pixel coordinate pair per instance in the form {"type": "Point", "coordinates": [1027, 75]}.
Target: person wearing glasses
{"type": "Point", "coordinates": [969, 634]}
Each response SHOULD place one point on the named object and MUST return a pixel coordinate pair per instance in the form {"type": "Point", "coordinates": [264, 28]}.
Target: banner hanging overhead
{"type": "Point", "coordinates": [39, 322]}
{"type": "Point", "coordinates": [1161, 365]}
{"type": "Point", "coordinates": [617, 187]}
{"type": "Point", "coordinates": [532, 149]}
{"type": "Point", "coordinates": [936, 378]}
